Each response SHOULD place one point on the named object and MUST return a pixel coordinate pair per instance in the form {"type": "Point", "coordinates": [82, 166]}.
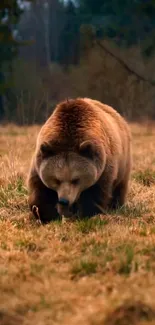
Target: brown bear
{"type": "Point", "coordinates": [82, 162]}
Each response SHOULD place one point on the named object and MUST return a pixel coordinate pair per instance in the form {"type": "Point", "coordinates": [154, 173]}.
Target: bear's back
{"type": "Point", "coordinates": [115, 130]}
{"type": "Point", "coordinates": [76, 120]}
{"type": "Point", "coordinates": [71, 122]}
{"type": "Point", "coordinates": [109, 113]}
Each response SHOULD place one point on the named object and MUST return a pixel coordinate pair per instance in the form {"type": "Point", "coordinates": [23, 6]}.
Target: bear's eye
{"type": "Point", "coordinates": [75, 181]}
{"type": "Point", "coordinates": [57, 181]}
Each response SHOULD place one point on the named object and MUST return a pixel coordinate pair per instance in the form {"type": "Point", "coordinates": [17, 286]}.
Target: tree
{"type": "Point", "coordinates": [10, 13]}
{"type": "Point", "coordinates": [127, 22]}
{"type": "Point", "coordinates": [69, 40]}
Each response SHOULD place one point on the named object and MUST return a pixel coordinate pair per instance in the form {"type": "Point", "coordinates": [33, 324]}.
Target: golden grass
{"type": "Point", "coordinates": [92, 272]}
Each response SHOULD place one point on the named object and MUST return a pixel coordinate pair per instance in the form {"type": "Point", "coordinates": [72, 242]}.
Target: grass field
{"type": "Point", "coordinates": [92, 272]}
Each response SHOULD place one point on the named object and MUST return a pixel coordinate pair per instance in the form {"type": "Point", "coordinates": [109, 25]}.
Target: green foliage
{"type": "Point", "coordinates": [127, 22]}
{"type": "Point", "coordinates": [83, 268]}
{"type": "Point", "coordinates": [89, 225]}
{"type": "Point", "coordinates": [10, 13]}
{"type": "Point", "coordinates": [146, 177]}
{"type": "Point", "coordinates": [69, 38]}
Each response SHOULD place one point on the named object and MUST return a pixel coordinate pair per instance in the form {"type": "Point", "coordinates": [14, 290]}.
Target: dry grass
{"type": "Point", "coordinates": [92, 272]}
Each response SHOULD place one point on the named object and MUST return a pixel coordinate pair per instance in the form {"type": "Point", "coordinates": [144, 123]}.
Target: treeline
{"type": "Point", "coordinates": [52, 49]}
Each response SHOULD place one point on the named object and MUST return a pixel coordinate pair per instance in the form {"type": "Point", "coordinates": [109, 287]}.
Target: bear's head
{"type": "Point", "coordinates": [70, 172]}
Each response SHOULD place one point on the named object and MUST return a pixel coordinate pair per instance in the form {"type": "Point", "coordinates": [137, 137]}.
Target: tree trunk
{"type": "Point", "coordinates": [1, 99]}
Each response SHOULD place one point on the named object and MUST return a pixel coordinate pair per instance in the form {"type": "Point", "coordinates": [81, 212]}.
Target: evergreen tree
{"type": "Point", "coordinates": [127, 22]}
{"type": "Point", "coordinates": [10, 12]}
{"type": "Point", "coordinates": [69, 41]}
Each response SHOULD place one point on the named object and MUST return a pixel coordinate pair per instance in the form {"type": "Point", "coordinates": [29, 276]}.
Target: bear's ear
{"type": "Point", "coordinates": [46, 149]}
{"type": "Point", "coordinates": [89, 149]}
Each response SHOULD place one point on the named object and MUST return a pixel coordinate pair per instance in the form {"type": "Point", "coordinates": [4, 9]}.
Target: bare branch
{"type": "Point", "coordinates": [130, 70]}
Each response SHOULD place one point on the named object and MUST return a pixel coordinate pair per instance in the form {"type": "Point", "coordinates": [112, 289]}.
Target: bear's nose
{"type": "Point", "coordinates": [63, 201]}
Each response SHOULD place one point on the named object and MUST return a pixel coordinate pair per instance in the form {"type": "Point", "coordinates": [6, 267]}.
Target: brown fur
{"type": "Point", "coordinates": [72, 123]}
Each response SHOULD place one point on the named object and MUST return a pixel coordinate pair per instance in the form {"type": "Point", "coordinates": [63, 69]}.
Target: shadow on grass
{"type": "Point", "coordinates": [130, 313]}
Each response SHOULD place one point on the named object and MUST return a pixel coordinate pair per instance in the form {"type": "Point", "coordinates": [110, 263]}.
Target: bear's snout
{"type": "Point", "coordinates": [63, 201]}
{"type": "Point", "coordinates": [63, 206]}
{"type": "Point", "coordinates": [65, 209]}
